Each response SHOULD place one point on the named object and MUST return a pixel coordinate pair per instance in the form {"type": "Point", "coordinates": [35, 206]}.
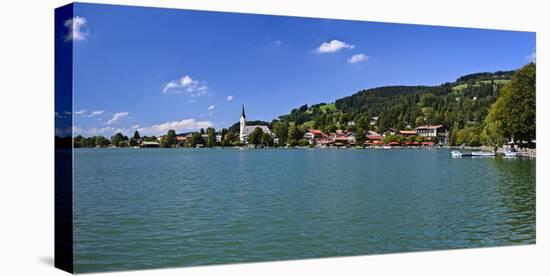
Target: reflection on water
{"type": "Point", "coordinates": [157, 208]}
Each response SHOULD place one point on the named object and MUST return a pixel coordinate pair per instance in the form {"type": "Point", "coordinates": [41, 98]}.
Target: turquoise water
{"type": "Point", "coordinates": [149, 208]}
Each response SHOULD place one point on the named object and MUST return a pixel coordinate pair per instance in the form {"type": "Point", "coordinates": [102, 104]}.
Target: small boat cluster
{"type": "Point", "coordinates": [504, 153]}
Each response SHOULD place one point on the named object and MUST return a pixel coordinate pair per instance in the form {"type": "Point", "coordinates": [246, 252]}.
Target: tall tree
{"type": "Point", "coordinates": [281, 131]}
{"type": "Point", "coordinates": [211, 137]}
{"type": "Point", "coordinates": [116, 139]}
{"type": "Point", "coordinates": [136, 135]}
{"type": "Point", "coordinates": [196, 139]}
{"type": "Point", "coordinates": [169, 140]}
{"type": "Point", "coordinates": [266, 140]}
{"type": "Point", "coordinates": [223, 134]}
{"type": "Point", "coordinates": [513, 115]}
{"type": "Point", "coordinates": [255, 137]}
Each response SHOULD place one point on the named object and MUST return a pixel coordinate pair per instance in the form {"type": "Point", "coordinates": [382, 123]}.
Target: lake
{"type": "Point", "coordinates": [151, 208]}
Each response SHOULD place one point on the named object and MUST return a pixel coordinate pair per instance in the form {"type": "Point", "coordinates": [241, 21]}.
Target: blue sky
{"type": "Point", "coordinates": [154, 69]}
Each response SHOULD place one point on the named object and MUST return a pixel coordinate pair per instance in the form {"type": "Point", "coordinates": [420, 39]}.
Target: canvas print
{"type": "Point", "coordinates": [188, 138]}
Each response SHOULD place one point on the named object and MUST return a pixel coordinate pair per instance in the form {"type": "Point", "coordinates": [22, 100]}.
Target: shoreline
{"type": "Point", "coordinates": [529, 153]}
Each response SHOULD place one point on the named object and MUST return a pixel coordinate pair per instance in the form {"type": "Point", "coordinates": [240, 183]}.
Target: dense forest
{"type": "Point", "coordinates": [477, 109]}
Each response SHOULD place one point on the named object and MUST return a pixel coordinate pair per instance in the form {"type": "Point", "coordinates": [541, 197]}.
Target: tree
{"type": "Point", "coordinates": [362, 126]}
{"type": "Point", "coordinates": [331, 128]}
{"type": "Point", "coordinates": [281, 131]}
{"type": "Point", "coordinates": [196, 139]}
{"type": "Point", "coordinates": [255, 138]}
{"type": "Point", "coordinates": [294, 133]}
{"type": "Point", "coordinates": [101, 141]}
{"type": "Point", "coordinates": [223, 134]}
{"type": "Point", "coordinates": [169, 140]}
{"type": "Point", "coordinates": [230, 139]}
{"type": "Point", "coordinates": [116, 139]}
{"type": "Point", "coordinates": [79, 142]}
{"type": "Point", "coordinates": [493, 132]}
{"type": "Point", "coordinates": [133, 142]}
{"type": "Point", "coordinates": [513, 115]}
{"type": "Point", "coordinates": [136, 135]}
{"type": "Point", "coordinates": [211, 137]}
{"type": "Point", "coordinates": [266, 140]}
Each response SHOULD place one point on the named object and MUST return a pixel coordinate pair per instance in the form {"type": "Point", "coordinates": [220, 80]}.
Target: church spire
{"type": "Point", "coordinates": [242, 112]}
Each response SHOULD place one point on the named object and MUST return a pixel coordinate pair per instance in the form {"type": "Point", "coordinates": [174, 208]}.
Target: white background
{"type": "Point", "coordinates": [26, 136]}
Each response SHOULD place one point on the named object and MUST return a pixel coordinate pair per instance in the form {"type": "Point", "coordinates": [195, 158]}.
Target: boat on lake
{"type": "Point", "coordinates": [456, 153]}
{"type": "Point", "coordinates": [510, 153]}
{"type": "Point", "coordinates": [483, 153]}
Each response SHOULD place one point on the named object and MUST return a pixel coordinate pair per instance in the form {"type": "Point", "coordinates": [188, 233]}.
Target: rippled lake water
{"type": "Point", "coordinates": [149, 208]}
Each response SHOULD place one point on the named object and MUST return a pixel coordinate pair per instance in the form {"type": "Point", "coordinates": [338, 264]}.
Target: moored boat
{"type": "Point", "coordinates": [456, 153]}
{"type": "Point", "coordinates": [483, 153]}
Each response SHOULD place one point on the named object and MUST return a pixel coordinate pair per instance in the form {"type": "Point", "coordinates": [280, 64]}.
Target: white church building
{"type": "Point", "coordinates": [246, 130]}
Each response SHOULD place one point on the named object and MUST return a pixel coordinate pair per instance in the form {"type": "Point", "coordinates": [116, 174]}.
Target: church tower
{"type": "Point", "coordinates": [243, 124]}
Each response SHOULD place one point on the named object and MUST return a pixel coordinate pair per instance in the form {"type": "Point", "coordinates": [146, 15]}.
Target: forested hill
{"type": "Point", "coordinates": [459, 105]}
{"type": "Point", "coordinates": [465, 102]}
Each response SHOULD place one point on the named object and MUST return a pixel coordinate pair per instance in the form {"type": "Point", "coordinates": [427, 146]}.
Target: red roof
{"type": "Point", "coordinates": [315, 132]}
{"type": "Point", "coordinates": [408, 132]}
{"type": "Point", "coordinates": [393, 144]}
{"type": "Point", "coordinates": [430, 127]}
{"type": "Point", "coordinates": [375, 137]}
{"type": "Point", "coordinates": [378, 142]}
{"type": "Point", "coordinates": [341, 138]}
{"type": "Point", "coordinates": [325, 141]}
{"type": "Point", "coordinates": [428, 143]}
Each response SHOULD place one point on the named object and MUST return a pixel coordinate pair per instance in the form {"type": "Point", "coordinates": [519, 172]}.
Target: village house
{"type": "Point", "coordinates": [314, 135]}
{"type": "Point", "coordinates": [149, 144]}
{"type": "Point", "coordinates": [407, 132]}
{"type": "Point", "coordinates": [390, 131]}
{"type": "Point", "coordinates": [181, 140]}
{"type": "Point", "coordinates": [374, 139]}
{"type": "Point", "coordinates": [433, 132]}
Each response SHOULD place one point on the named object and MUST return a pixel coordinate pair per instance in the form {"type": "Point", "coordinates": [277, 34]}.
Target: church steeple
{"type": "Point", "coordinates": [243, 115]}
{"type": "Point", "coordinates": [242, 124]}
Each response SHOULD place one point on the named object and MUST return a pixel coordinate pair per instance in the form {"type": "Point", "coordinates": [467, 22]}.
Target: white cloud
{"type": "Point", "coordinates": [211, 107]}
{"type": "Point", "coordinates": [333, 46]}
{"type": "Point", "coordinates": [94, 131]}
{"type": "Point", "coordinates": [95, 113]}
{"type": "Point", "coordinates": [178, 126]}
{"type": "Point", "coordinates": [532, 57]}
{"type": "Point", "coordinates": [80, 112]}
{"type": "Point", "coordinates": [157, 129]}
{"type": "Point", "coordinates": [193, 87]}
{"type": "Point", "coordinates": [75, 29]}
{"type": "Point", "coordinates": [357, 58]}
{"type": "Point", "coordinates": [116, 117]}
{"type": "Point", "coordinates": [230, 98]}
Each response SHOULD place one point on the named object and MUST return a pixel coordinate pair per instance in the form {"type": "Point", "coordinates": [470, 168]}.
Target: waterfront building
{"type": "Point", "coordinates": [433, 132]}
{"type": "Point", "coordinates": [245, 130]}
{"type": "Point", "coordinates": [407, 132]}
{"type": "Point", "coordinates": [150, 144]}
